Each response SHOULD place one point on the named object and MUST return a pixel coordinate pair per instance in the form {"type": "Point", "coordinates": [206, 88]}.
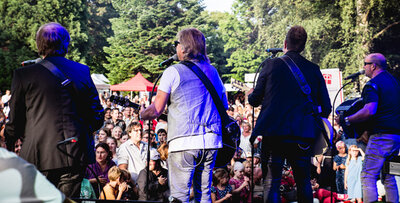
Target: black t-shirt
{"type": "Point", "coordinates": [385, 90]}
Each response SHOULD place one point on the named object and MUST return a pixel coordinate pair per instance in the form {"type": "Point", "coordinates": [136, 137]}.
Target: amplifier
{"type": "Point", "coordinates": [392, 166]}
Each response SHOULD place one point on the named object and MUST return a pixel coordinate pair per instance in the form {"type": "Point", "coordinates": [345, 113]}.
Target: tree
{"type": "Point", "coordinates": [20, 21]}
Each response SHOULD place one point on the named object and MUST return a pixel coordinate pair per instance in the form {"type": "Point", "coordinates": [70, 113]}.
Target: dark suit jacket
{"type": "Point", "coordinates": [43, 114]}
{"type": "Point", "coordinates": [285, 111]}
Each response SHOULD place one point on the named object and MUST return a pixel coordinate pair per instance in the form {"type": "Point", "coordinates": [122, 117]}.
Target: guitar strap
{"type": "Point", "coordinates": [306, 90]}
{"type": "Point", "coordinates": [207, 83]}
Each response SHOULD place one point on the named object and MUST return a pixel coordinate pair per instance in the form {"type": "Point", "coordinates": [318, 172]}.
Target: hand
{"type": "Point", "coordinates": [103, 180]}
{"type": "Point", "coordinates": [227, 196]}
{"type": "Point", "coordinates": [162, 180]}
{"type": "Point", "coordinates": [249, 92]}
{"type": "Point", "coordinates": [342, 166]}
{"type": "Point", "coordinates": [319, 170]}
{"type": "Point", "coordinates": [122, 187]}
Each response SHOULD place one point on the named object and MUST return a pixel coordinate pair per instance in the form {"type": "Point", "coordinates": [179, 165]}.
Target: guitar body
{"type": "Point", "coordinates": [347, 108]}
{"type": "Point", "coordinates": [322, 142]}
{"type": "Point", "coordinates": [230, 141]}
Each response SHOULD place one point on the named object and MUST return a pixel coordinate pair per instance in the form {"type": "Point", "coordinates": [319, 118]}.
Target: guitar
{"type": "Point", "coordinates": [239, 85]}
{"type": "Point", "coordinates": [122, 101]}
{"type": "Point", "coordinates": [322, 141]}
{"type": "Point", "coordinates": [347, 108]}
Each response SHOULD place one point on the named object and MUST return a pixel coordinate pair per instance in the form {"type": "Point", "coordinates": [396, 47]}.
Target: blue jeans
{"type": "Point", "coordinates": [379, 148]}
{"type": "Point", "coordinates": [185, 167]}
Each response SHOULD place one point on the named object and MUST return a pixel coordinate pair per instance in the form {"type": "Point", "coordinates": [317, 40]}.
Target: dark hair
{"type": "Point", "coordinates": [161, 130]}
{"type": "Point", "coordinates": [296, 39]}
{"type": "Point", "coordinates": [108, 132]}
{"type": "Point", "coordinates": [194, 44]}
{"type": "Point", "coordinates": [107, 148]}
{"type": "Point", "coordinates": [133, 124]}
{"type": "Point", "coordinates": [218, 174]}
{"type": "Point", "coordinates": [52, 39]}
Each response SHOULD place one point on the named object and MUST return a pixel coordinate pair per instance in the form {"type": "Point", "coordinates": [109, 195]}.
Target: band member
{"type": "Point", "coordinates": [43, 112]}
{"type": "Point", "coordinates": [381, 97]}
{"type": "Point", "coordinates": [194, 125]}
{"type": "Point", "coordinates": [286, 119]}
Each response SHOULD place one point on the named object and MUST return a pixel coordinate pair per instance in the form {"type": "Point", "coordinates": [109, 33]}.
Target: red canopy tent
{"type": "Point", "coordinates": [137, 83]}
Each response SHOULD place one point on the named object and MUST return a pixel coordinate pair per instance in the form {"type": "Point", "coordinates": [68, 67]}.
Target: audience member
{"type": "Point", "coordinates": [114, 189]}
{"type": "Point", "coordinates": [133, 153]}
{"type": "Point", "coordinates": [240, 184]}
{"type": "Point", "coordinates": [103, 134]}
{"type": "Point", "coordinates": [116, 132]}
{"type": "Point", "coordinates": [339, 166]}
{"type": "Point", "coordinates": [157, 184]}
{"type": "Point", "coordinates": [221, 191]}
{"type": "Point", "coordinates": [352, 174]}
{"type": "Point", "coordinates": [114, 119]}
{"type": "Point", "coordinates": [112, 143]}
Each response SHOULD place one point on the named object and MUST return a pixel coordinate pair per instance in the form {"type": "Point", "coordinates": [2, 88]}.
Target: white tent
{"type": "Point", "coordinates": [100, 81]}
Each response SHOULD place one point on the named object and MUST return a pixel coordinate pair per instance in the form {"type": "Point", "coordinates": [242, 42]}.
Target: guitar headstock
{"type": "Point", "coordinates": [122, 101]}
{"type": "Point", "coordinates": [239, 85]}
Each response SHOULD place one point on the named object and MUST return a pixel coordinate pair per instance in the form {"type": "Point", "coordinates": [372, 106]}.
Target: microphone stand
{"type": "Point", "coordinates": [252, 127]}
{"type": "Point", "coordinates": [333, 122]}
{"type": "Point", "coordinates": [91, 170]}
{"type": "Point", "coordinates": [150, 140]}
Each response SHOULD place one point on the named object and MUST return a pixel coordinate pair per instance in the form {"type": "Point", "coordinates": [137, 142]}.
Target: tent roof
{"type": "Point", "coordinates": [137, 83]}
{"type": "Point", "coordinates": [100, 81]}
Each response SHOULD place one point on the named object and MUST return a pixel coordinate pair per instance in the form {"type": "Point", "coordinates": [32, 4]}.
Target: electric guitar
{"type": "Point", "coordinates": [239, 85]}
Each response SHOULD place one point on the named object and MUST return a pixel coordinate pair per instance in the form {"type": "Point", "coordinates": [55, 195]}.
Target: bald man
{"type": "Point", "coordinates": [381, 97]}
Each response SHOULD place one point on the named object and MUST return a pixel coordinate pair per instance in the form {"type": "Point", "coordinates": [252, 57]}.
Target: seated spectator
{"type": "Point", "coordinates": [114, 119]}
{"type": "Point", "coordinates": [116, 132]}
{"type": "Point", "coordinates": [158, 180]}
{"type": "Point", "coordinates": [240, 184]}
{"type": "Point", "coordinates": [133, 153]}
{"type": "Point", "coordinates": [124, 138]}
{"type": "Point", "coordinates": [112, 143]}
{"type": "Point", "coordinates": [100, 167]}
{"type": "Point", "coordinates": [103, 134]}
{"type": "Point", "coordinates": [221, 191]}
{"type": "Point", "coordinates": [132, 192]}
{"type": "Point", "coordinates": [162, 136]}
{"type": "Point", "coordinates": [114, 189]}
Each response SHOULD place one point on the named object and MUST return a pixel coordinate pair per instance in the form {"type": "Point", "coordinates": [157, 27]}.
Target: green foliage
{"type": "Point", "coordinates": [20, 21]}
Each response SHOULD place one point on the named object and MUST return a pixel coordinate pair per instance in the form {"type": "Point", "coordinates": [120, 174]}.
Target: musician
{"type": "Point", "coordinates": [194, 124]}
{"type": "Point", "coordinates": [43, 112]}
{"type": "Point", "coordinates": [286, 120]}
{"type": "Point", "coordinates": [381, 97]}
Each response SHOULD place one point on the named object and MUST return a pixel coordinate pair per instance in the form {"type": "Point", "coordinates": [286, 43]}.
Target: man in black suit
{"type": "Point", "coordinates": [43, 112]}
{"type": "Point", "coordinates": [286, 119]}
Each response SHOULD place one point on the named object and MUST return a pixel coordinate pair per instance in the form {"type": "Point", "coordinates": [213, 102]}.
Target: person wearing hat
{"type": "Point", "coordinates": [158, 180]}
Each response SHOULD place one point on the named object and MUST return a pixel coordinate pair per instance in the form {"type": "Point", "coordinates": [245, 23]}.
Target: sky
{"type": "Point", "coordinates": [218, 5]}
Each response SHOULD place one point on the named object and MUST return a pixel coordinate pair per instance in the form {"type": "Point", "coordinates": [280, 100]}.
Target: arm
{"type": "Point", "coordinates": [237, 190]}
{"type": "Point", "coordinates": [366, 112]}
{"type": "Point", "coordinates": [255, 97]}
{"type": "Point", "coordinates": [335, 166]}
{"type": "Point", "coordinates": [15, 127]}
{"type": "Point", "coordinates": [156, 108]}
{"type": "Point", "coordinates": [346, 172]}
{"type": "Point", "coordinates": [319, 161]}
{"type": "Point", "coordinates": [362, 153]}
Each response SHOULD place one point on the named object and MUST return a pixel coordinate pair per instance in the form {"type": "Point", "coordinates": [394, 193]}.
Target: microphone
{"type": "Point", "coordinates": [68, 140]}
{"type": "Point", "coordinates": [354, 75]}
{"type": "Point", "coordinates": [169, 61]}
{"type": "Point", "coordinates": [274, 50]}
{"type": "Point", "coordinates": [30, 62]}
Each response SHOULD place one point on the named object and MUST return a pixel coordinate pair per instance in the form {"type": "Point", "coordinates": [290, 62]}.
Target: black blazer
{"type": "Point", "coordinates": [42, 113]}
{"type": "Point", "coordinates": [285, 110]}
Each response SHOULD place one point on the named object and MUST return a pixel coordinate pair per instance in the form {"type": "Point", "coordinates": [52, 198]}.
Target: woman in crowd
{"type": "Point", "coordinates": [158, 181]}
{"type": "Point", "coordinates": [117, 133]}
{"type": "Point", "coordinates": [114, 189]}
{"type": "Point", "coordinates": [100, 167]}
{"type": "Point", "coordinates": [124, 138]}
{"type": "Point", "coordinates": [112, 143]}
{"type": "Point", "coordinates": [103, 134]}
{"type": "Point", "coordinates": [245, 137]}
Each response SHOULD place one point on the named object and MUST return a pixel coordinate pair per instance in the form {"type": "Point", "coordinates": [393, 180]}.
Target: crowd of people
{"type": "Point", "coordinates": [168, 154]}
{"type": "Point", "coordinates": [120, 170]}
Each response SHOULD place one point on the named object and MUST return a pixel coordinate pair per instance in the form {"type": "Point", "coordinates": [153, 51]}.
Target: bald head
{"type": "Point", "coordinates": [378, 59]}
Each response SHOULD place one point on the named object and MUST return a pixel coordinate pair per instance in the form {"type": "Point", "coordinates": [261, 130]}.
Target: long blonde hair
{"type": "Point", "coordinates": [349, 154]}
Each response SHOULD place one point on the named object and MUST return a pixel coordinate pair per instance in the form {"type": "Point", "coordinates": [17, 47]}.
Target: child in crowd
{"type": "Point", "coordinates": [352, 174]}
{"type": "Point", "coordinates": [114, 189]}
{"type": "Point", "coordinates": [221, 191]}
{"type": "Point", "coordinates": [240, 184]}
{"type": "Point", "coordinates": [247, 168]}
{"type": "Point", "coordinates": [339, 162]}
